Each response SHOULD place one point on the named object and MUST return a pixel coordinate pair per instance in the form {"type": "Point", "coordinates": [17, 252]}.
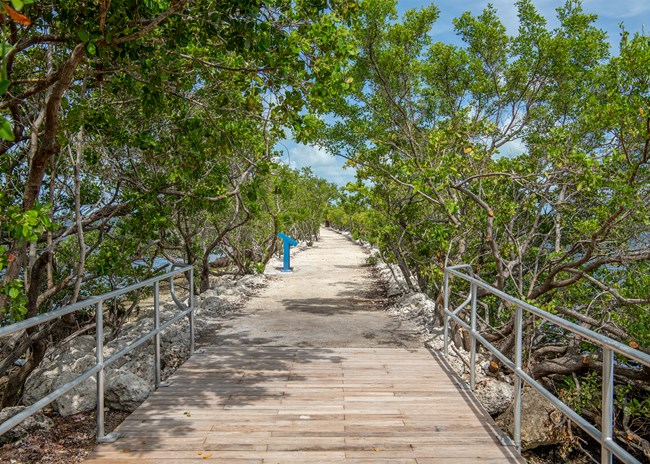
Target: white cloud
{"type": "Point", "coordinates": [322, 163]}
{"type": "Point", "coordinates": [619, 10]}
{"type": "Point", "coordinates": [512, 149]}
{"type": "Point", "coordinates": [634, 14]}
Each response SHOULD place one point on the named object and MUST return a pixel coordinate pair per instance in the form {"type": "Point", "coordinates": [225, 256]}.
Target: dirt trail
{"type": "Point", "coordinates": [329, 300]}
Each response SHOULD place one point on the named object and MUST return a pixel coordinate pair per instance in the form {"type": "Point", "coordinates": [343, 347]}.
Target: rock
{"type": "Point", "coordinates": [78, 357]}
{"type": "Point", "coordinates": [414, 303]}
{"type": "Point", "coordinates": [457, 364]}
{"type": "Point", "coordinates": [216, 304]}
{"type": "Point", "coordinates": [39, 384]}
{"type": "Point", "coordinates": [210, 301]}
{"type": "Point", "coordinates": [225, 282]}
{"type": "Point", "coordinates": [495, 396]}
{"type": "Point", "coordinates": [83, 344]}
{"type": "Point", "coordinates": [394, 289]}
{"type": "Point", "coordinates": [142, 365]}
{"type": "Point", "coordinates": [59, 371]}
{"type": "Point", "coordinates": [541, 423]}
{"type": "Point", "coordinates": [416, 307]}
{"type": "Point", "coordinates": [125, 391]}
{"type": "Point", "coordinates": [62, 364]}
{"type": "Point", "coordinates": [252, 281]}
{"type": "Point", "coordinates": [82, 398]}
{"type": "Point", "coordinates": [231, 292]}
{"type": "Point", "coordinates": [173, 355]}
{"type": "Point", "coordinates": [32, 424]}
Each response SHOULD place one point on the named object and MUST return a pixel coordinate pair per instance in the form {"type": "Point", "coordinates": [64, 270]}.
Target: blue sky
{"type": "Point", "coordinates": [634, 14]}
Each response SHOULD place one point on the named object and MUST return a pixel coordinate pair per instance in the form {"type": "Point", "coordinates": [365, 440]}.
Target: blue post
{"type": "Point", "coordinates": [288, 241]}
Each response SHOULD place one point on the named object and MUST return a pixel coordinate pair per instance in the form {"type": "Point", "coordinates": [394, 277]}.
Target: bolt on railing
{"type": "Point", "coordinates": [101, 364]}
{"type": "Point", "coordinates": [605, 436]}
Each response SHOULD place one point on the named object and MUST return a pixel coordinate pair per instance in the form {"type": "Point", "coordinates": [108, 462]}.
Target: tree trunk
{"type": "Point", "coordinates": [16, 380]}
{"type": "Point", "coordinates": [47, 149]}
{"type": "Point", "coordinates": [401, 263]}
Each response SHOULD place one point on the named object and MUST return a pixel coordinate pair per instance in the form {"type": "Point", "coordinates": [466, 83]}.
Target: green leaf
{"type": "Point", "coordinates": [83, 36]}
{"type": "Point", "coordinates": [6, 132]}
{"type": "Point", "coordinates": [17, 4]}
{"type": "Point", "coordinates": [91, 48]}
{"type": "Point", "coordinates": [13, 292]}
{"type": "Point", "coordinates": [4, 85]}
{"type": "Point", "coordinates": [4, 49]}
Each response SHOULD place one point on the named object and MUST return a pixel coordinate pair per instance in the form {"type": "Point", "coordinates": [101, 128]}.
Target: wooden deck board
{"type": "Point", "coordinates": [288, 405]}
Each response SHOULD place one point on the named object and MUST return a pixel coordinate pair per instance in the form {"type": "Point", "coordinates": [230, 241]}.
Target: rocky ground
{"type": "Point", "coordinates": [67, 441]}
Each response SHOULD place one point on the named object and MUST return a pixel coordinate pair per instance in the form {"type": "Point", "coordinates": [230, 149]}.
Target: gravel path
{"type": "Point", "coordinates": [329, 300]}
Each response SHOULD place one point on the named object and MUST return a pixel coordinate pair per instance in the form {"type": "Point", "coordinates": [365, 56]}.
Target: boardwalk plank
{"type": "Point", "coordinates": [368, 406]}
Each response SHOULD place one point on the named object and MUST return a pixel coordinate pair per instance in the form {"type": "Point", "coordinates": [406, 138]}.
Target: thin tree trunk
{"type": "Point", "coordinates": [48, 235]}
{"type": "Point", "coordinates": [401, 263]}
{"type": "Point", "coordinates": [76, 167]}
{"type": "Point", "coordinates": [558, 221]}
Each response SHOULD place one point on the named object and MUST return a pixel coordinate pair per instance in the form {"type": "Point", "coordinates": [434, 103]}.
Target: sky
{"type": "Point", "coordinates": [633, 14]}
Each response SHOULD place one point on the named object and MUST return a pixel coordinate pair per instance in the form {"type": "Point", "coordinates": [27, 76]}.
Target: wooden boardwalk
{"type": "Point", "coordinates": [309, 405]}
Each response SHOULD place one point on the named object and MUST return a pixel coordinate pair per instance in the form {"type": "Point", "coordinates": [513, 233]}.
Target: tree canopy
{"type": "Point", "coordinates": [526, 156]}
{"type": "Point", "coordinates": [138, 133]}
{"type": "Point", "coordinates": [135, 133]}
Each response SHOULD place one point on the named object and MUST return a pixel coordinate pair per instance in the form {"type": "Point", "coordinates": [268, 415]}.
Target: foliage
{"type": "Point", "coordinates": [526, 156]}
{"type": "Point", "coordinates": [147, 129]}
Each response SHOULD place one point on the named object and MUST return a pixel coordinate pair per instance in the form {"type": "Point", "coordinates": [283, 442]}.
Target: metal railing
{"type": "Point", "coordinates": [101, 363]}
{"type": "Point", "coordinates": [605, 436]}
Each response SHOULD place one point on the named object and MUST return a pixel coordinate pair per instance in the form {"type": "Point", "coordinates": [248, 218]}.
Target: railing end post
{"type": "Point", "coordinates": [99, 356]}
{"type": "Point", "coordinates": [472, 361]}
{"type": "Point", "coordinates": [445, 310]}
{"type": "Point", "coordinates": [191, 305]}
{"type": "Point", "coordinates": [156, 325]}
{"type": "Point", "coordinates": [607, 406]}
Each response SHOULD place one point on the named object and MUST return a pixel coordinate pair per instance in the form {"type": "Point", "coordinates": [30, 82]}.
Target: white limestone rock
{"type": "Point", "coordinates": [125, 391]}
{"type": "Point", "coordinates": [494, 395]}
{"type": "Point", "coordinates": [541, 423]}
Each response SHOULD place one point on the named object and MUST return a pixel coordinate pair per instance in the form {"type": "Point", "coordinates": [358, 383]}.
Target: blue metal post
{"type": "Point", "coordinates": [287, 257]}
{"type": "Point", "coordinates": [288, 241]}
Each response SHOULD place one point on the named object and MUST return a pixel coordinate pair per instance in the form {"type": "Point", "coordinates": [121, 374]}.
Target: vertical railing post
{"type": "Point", "coordinates": [191, 315]}
{"type": "Point", "coordinates": [518, 369]}
{"type": "Point", "coordinates": [156, 326]}
{"type": "Point", "coordinates": [99, 354]}
{"type": "Point", "coordinates": [607, 424]}
{"type": "Point", "coordinates": [445, 286]}
{"type": "Point", "coordinates": [472, 360]}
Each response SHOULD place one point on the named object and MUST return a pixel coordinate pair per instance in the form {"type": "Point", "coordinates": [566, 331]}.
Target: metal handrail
{"type": "Point", "coordinates": [101, 364]}
{"type": "Point", "coordinates": [605, 436]}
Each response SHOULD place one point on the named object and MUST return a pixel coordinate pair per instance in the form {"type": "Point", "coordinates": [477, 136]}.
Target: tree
{"type": "Point", "coordinates": [128, 122]}
{"type": "Point", "coordinates": [562, 221]}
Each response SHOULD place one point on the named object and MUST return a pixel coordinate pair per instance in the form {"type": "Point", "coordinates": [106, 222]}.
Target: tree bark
{"type": "Point", "coordinates": [48, 148]}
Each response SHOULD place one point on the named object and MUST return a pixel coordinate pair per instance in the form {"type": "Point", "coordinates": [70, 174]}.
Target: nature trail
{"type": "Point", "coordinates": [331, 299]}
